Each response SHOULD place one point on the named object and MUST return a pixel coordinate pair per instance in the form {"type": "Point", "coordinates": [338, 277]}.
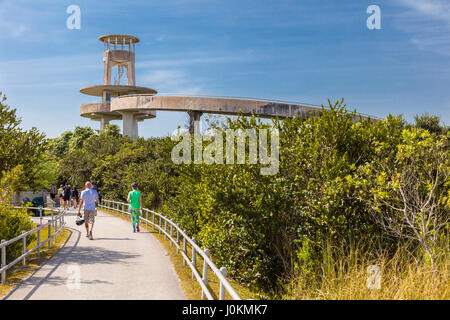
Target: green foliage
{"type": "Point", "coordinates": [12, 221]}
{"type": "Point", "coordinates": [19, 147]}
{"type": "Point", "coordinates": [430, 123]}
{"type": "Point", "coordinates": [265, 227]}
{"type": "Point", "coordinates": [407, 187]}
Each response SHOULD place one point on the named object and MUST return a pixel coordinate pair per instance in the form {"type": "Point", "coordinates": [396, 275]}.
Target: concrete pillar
{"type": "Point", "coordinates": [194, 121]}
{"type": "Point", "coordinates": [129, 125]}
{"type": "Point", "coordinates": [103, 123]}
{"type": "Point", "coordinates": [107, 68]}
{"type": "Point", "coordinates": [131, 78]}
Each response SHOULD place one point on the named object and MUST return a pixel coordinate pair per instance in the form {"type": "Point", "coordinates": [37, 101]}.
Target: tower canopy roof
{"type": "Point", "coordinates": [120, 37]}
{"type": "Point", "coordinates": [116, 90]}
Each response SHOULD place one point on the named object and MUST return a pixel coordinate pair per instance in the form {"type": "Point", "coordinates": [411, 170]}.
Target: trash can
{"type": "Point", "coordinates": [37, 202]}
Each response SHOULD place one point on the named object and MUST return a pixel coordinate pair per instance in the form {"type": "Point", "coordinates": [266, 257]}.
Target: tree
{"type": "Point", "coordinates": [80, 135]}
{"type": "Point", "coordinates": [430, 123]}
{"type": "Point", "coordinates": [60, 145]}
{"type": "Point", "coordinates": [18, 146]}
{"type": "Point", "coordinates": [410, 187]}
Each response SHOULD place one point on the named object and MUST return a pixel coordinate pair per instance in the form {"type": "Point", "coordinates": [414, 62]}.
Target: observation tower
{"type": "Point", "coordinates": [133, 104]}
{"type": "Point", "coordinates": [119, 62]}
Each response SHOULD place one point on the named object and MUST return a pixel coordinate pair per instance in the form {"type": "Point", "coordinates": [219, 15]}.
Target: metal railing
{"type": "Point", "coordinates": [181, 240]}
{"type": "Point", "coordinates": [55, 226]}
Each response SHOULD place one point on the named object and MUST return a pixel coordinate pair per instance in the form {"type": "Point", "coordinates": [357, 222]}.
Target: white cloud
{"type": "Point", "coordinates": [435, 9]}
{"type": "Point", "coordinates": [173, 81]}
{"type": "Point", "coordinates": [176, 74]}
{"type": "Point", "coordinates": [428, 22]}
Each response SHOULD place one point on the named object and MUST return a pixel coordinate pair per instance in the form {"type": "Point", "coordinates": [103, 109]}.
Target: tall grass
{"type": "Point", "coordinates": [403, 276]}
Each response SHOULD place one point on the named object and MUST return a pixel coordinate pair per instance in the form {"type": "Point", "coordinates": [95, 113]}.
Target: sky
{"type": "Point", "coordinates": [297, 50]}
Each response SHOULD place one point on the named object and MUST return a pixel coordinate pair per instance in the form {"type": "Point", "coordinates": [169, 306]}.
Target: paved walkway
{"type": "Point", "coordinates": [117, 264]}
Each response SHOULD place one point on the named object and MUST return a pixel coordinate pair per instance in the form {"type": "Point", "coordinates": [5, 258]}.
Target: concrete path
{"type": "Point", "coordinates": [117, 264]}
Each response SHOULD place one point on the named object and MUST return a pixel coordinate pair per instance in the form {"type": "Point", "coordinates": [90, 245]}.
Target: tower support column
{"type": "Point", "coordinates": [103, 123]}
{"type": "Point", "coordinates": [194, 121]}
{"type": "Point", "coordinates": [129, 125]}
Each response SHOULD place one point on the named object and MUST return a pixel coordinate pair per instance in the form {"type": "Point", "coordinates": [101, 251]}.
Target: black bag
{"type": "Point", "coordinates": [79, 221]}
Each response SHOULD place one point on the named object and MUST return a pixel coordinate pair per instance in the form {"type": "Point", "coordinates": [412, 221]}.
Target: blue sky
{"type": "Point", "coordinates": [303, 50]}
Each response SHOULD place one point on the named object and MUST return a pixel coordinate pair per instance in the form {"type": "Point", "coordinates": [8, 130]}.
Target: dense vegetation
{"type": "Point", "coordinates": [347, 194]}
{"type": "Point", "coordinates": [22, 163]}
{"type": "Point", "coordinates": [339, 182]}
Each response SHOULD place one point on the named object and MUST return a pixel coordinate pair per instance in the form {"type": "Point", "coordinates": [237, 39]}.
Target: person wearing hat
{"type": "Point", "coordinates": [135, 201]}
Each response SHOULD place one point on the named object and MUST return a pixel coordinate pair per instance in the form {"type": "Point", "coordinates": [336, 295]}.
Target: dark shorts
{"type": "Point", "coordinates": [52, 195]}
{"type": "Point", "coordinates": [67, 197]}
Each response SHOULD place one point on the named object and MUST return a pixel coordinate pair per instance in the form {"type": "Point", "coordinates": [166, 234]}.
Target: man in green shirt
{"type": "Point", "coordinates": [135, 201]}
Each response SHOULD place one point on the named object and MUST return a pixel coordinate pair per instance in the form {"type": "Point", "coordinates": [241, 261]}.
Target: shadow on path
{"type": "Point", "coordinates": [75, 255]}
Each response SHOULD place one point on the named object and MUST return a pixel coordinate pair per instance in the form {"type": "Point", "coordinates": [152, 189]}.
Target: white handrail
{"type": "Point", "coordinates": [162, 227]}
{"type": "Point", "coordinates": [59, 225]}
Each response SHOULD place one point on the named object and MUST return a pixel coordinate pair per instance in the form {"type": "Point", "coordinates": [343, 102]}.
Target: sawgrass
{"type": "Point", "coordinates": [404, 276]}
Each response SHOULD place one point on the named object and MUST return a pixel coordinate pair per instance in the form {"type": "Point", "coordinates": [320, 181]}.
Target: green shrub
{"type": "Point", "coordinates": [12, 221]}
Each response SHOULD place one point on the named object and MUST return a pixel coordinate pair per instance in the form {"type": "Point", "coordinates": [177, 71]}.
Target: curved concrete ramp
{"type": "Point", "coordinates": [218, 105]}
{"type": "Point", "coordinates": [117, 264]}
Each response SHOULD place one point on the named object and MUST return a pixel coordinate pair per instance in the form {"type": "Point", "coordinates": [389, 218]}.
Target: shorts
{"type": "Point", "coordinates": [67, 197]}
{"type": "Point", "coordinates": [89, 216]}
{"type": "Point", "coordinates": [52, 195]}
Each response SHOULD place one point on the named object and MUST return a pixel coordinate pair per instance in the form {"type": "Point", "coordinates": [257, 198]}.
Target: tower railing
{"type": "Point", "coordinates": [181, 240]}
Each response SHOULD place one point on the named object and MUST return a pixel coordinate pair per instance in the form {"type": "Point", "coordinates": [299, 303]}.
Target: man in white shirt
{"type": "Point", "coordinates": [88, 199]}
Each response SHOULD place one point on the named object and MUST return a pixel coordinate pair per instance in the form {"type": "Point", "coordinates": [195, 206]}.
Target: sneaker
{"type": "Point", "coordinates": [137, 228]}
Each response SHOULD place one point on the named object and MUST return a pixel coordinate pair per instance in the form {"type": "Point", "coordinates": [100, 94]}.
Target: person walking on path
{"type": "Point", "coordinates": [67, 195]}
{"type": "Point", "coordinates": [135, 200]}
{"type": "Point", "coordinates": [61, 196]}
{"type": "Point", "coordinates": [53, 192]}
{"type": "Point", "coordinates": [94, 186]}
{"type": "Point", "coordinates": [75, 196]}
{"type": "Point", "coordinates": [88, 199]}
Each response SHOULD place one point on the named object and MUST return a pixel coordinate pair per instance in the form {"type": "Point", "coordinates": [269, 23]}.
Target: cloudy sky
{"type": "Point", "coordinates": [300, 50]}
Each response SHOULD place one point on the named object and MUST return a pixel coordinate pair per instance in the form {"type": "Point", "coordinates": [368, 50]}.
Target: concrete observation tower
{"type": "Point", "coordinates": [118, 58]}
{"type": "Point", "coordinates": [133, 104]}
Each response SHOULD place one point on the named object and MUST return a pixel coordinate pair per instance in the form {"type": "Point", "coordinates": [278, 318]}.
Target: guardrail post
{"type": "Point", "coordinates": [171, 234]}
{"type": "Point", "coordinates": [165, 228]}
{"type": "Point", "coordinates": [153, 221]}
{"type": "Point", "coordinates": [146, 217]}
{"type": "Point", "coordinates": [3, 263]}
{"type": "Point", "coordinates": [160, 224]}
{"type": "Point", "coordinates": [55, 223]}
{"type": "Point", "coordinates": [24, 249]}
{"type": "Point", "coordinates": [205, 271]}
{"type": "Point", "coordinates": [39, 242]}
{"type": "Point", "coordinates": [40, 214]}
{"type": "Point", "coordinates": [184, 248]}
{"type": "Point", "coordinates": [178, 238]}
{"type": "Point", "coordinates": [194, 258]}
{"type": "Point", "coordinates": [224, 272]}
{"type": "Point", "coordinates": [49, 233]}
